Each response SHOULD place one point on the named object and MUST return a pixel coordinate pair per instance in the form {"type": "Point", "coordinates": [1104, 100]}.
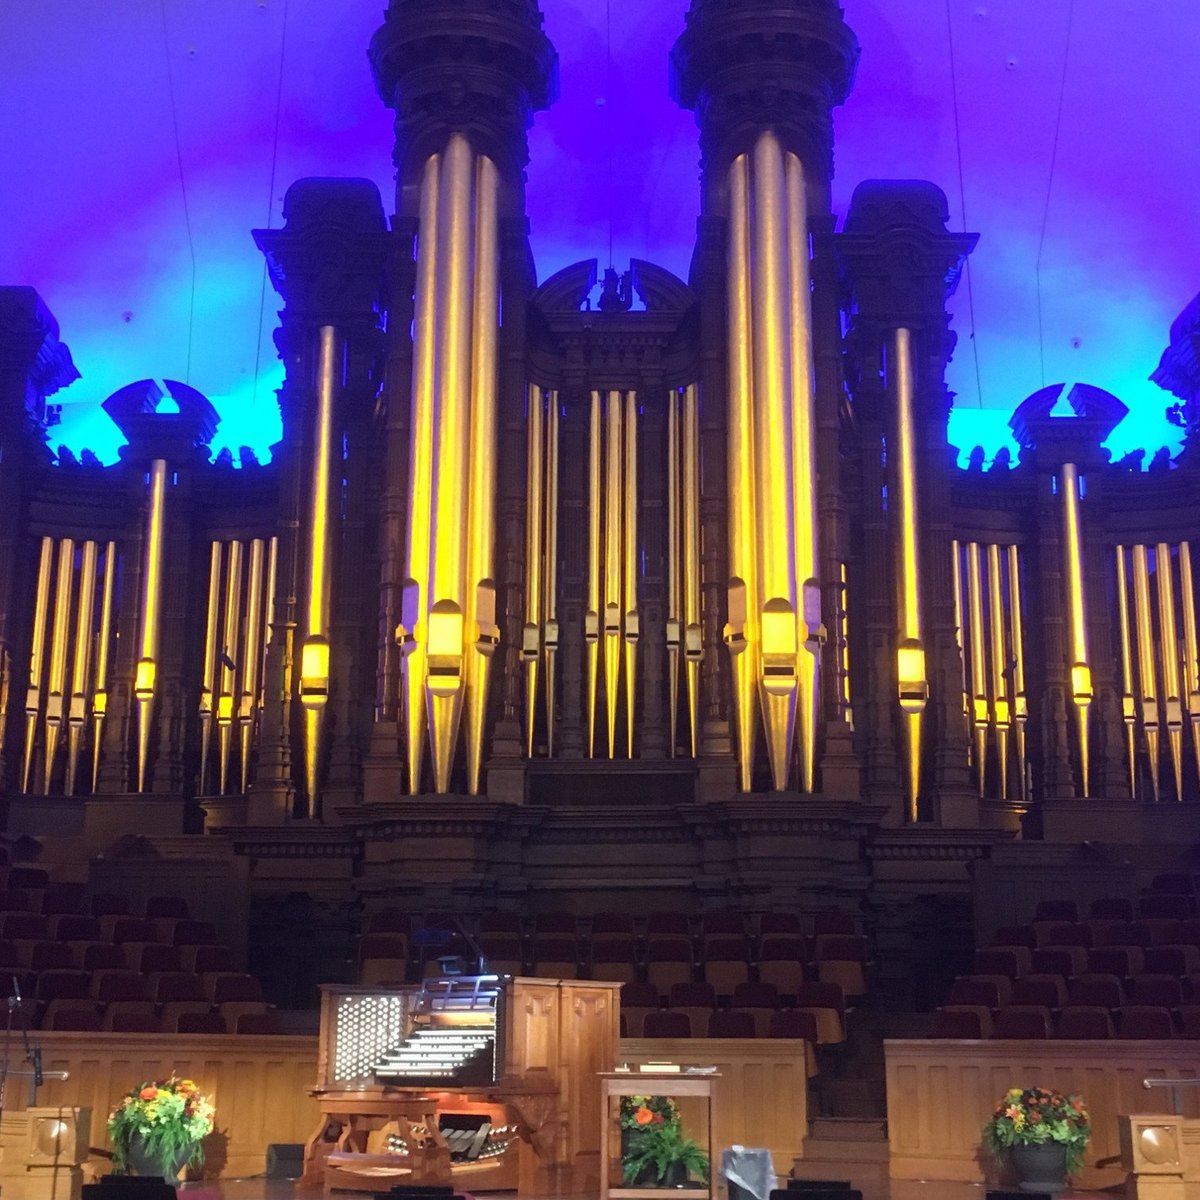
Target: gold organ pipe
{"type": "Point", "coordinates": [208, 688]}
{"type": "Point", "coordinates": [741, 634]}
{"type": "Point", "coordinates": [960, 638]}
{"type": "Point", "coordinates": [314, 687]}
{"type": "Point", "coordinates": [1128, 702]}
{"type": "Point", "coordinates": [415, 601]}
{"type": "Point", "coordinates": [550, 605]}
{"type": "Point", "coordinates": [251, 655]}
{"type": "Point", "coordinates": [535, 516]}
{"type": "Point", "coordinates": [809, 629]}
{"type": "Point", "coordinates": [907, 521]}
{"type": "Point", "coordinates": [1081, 675]}
{"type": "Point", "coordinates": [692, 636]}
{"type": "Point", "coordinates": [482, 633]}
{"type": "Point", "coordinates": [1169, 654]}
{"type": "Point", "coordinates": [272, 573]}
{"type": "Point", "coordinates": [1001, 702]}
{"type": "Point", "coordinates": [674, 568]}
{"type": "Point", "coordinates": [594, 615]}
{"type": "Point", "coordinates": [57, 685]}
{"type": "Point", "coordinates": [844, 637]}
{"type": "Point", "coordinates": [81, 667]}
{"type": "Point", "coordinates": [772, 423]}
{"type": "Point", "coordinates": [100, 696]}
{"type": "Point", "coordinates": [147, 669]}
{"type": "Point", "coordinates": [37, 650]}
{"type": "Point", "coordinates": [227, 698]}
{"type": "Point", "coordinates": [1016, 632]}
{"type": "Point", "coordinates": [1190, 648]}
{"type": "Point", "coordinates": [613, 526]}
{"type": "Point", "coordinates": [630, 565]}
{"type": "Point", "coordinates": [979, 705]}
{"type": "Point", "coordinates": [448, 550]}
{"type": "Point", "coordinates": [1146, 676]}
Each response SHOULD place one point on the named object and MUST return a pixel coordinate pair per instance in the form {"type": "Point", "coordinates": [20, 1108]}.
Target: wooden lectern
{"type": "Point", "coordinates": [486, 1082]}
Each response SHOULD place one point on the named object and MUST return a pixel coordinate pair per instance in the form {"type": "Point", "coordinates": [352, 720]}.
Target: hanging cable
{"type": "Point", "coordinates": [609, 117]}
{"type": "Point", "coordinates": [187, 216]}
{"type": "Point", "coordinates": [262, 294]}
{"type": "Point", "coordinates": [1037, 270]}
{"type": "Point", "coordinates": [962, 200]}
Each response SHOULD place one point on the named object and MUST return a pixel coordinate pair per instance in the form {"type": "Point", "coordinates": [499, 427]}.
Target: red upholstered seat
{"type": "Point", "coordinates": [731, 1023]}
{"type": "Point", "coordinates": [1043, 990]}
{"type": "Point", "coordinates": [791, 1023]}
{"type": "Point", "coordinates": [76, 1019]}
{"type": "Point", "coordinates": [167, 906]}
{"type": "Point", "coordinates": [1016, 935]}
{"type": "Point", "coordinates": [260, 1024]}
{"type": "Point", "coordinates": [389, 920]}
{"type": "Point", "coordinates": [561, 924]}
{"type": "Point", "coordinates": [1145, 1022]}
{"type": "Point", "coordinates": [1158, 991]}
{"type": "Point", "coordinates": [1022, 1021]}
{"type": "Point", "coordinates": [120, 1021]}
{"type": "Point", "coordinates": [1112, 907]}
{"type": "Point", "coordinates": [1056, 910]}
{"type": "Point", "coordinates": [667, 1025]}
{"type": "Point", "coordinates": [556, 956]}
{"type": "Point", "coordinates": [669, 960]}
{"type": "Point", "coordinates": [1096, 991]}
{"type": "Point", "coordinates": [1084, 1022]}
{"type": "Point", "coordinates": [756, 995]}
{"type": "Point", "coordinates": [1152, 904]}
{"type": "Point", "coordinates": [500, 922]}
{"type": "Point", "coordinates": [834, 921]}
{"type": "Point", "coordinates": [964, 1023]}
{"type": "Point", "coordinates": [51, 956]}
{"type": "Point", "coordinates": [785, 923]}
{"type": "Point", "coordinates": [668, 923]}
{"type": "Point", "coordinates": [612, 922]}
{"type": "Point", "coordinates": [201, 1023]}
{"type": "Point", "coordinates": [977, 992]}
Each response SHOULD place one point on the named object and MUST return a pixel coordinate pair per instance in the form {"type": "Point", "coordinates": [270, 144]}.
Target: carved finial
{"type": "Point", "coordinates": [616, 294]}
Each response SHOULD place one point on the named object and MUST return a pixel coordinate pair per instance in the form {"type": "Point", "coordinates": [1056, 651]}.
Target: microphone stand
{"type": "Point", "coordinates": [33, 1055]}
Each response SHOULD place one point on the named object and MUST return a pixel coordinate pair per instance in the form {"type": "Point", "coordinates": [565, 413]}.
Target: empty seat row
{"type": "Point", "coordinates": [1107, 990]}
{"type": "Point", "coordinates": [1166, 897]}
{"type": "Point", "coordinates": [1037, 1022]}
{"type": "Point", "coordinates": [721, 1023]}
{"type": "Point", "coordinates": [81, 1019]}
{"type": "Point", "coordinates": [1102, 931]}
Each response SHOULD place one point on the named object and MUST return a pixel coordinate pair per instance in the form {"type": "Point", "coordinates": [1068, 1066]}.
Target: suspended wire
{"type": "Point", "coordinates": [262, 294]}
{"type": "Point", "coordinates": [962, 201]}
{"type": "Point", "coordinates": [609, 118]}
{"type": "Point", "coordinates": [1037, 270]}
{"type": "Point", "coordinates": [187, 216]}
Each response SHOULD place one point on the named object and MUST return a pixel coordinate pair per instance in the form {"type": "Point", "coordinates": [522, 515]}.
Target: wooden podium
{"type": "Point", "coordinates": [677, 1085]}
{"type": "Point", "coordinates": [408, 1077]}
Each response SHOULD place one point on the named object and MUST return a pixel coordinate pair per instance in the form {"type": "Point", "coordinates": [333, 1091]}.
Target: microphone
{"type": "Point", "coordinates": [16, 989]}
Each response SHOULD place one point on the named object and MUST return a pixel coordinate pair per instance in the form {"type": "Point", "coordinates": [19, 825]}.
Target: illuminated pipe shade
{"type": "Point", "coordinates": [674, 623]}
{"type": "Point", "coordinates": [1020, 697]}
{"type": "Point", "coordinates": [415, 592]}
{"type": "Point", "coordinates": [531, 648]}
{"type": "Point", "coordinates": [208, 687]}
{"type": "Point", "coordinates": [591, 620]}
{"type": "Point", "coordinates": [550, 603]}
{"type": "Point", "coordinates": [37, 649]}
{"type": "Point", "coordinates": [772, 434]}
{"type": "Point", "coordinates": [482, 632]}
{"type": "Point", "coordinates": [151, 612]}
{"type": "Point", "coordinates": [1147, 684]}
{"type": "Point", "coordinates": [81, 666]}
{"type": "Point", "coordinates": [251, 656]}
{"type": "Point", "coordinates": [741, 632]}
{"type": "Point", "coordinates": [847, 703]}
{"type": "Point", "coordinates": [1169, 653]}
{"type": "Point", "coordinates": [1191, 651]}
{"type": "Point", "coordinates": [451, 414]}
{"type": "Point", "coordinates": [1001, 703]}
{"type": "Point", "coordinates": [613, 524]}
{"type": "Point", "coordinates": [632, 621]}
{"type": "Point", "coordinates": [979, 704]}
{"type": "Point", "coordinates": [57, 684]}
{"type": "Point", "coordinates": [1081, 674]}
{"type": "Point", "coordinates": [229, 658]}
{"type": "Point", "coordinates": [100, 697]}
{"type": "Point", "coordinates": [693, 647]}
{"type": "Point", "coordinates": [314, 653]}
{"type": "Point", "coordinates": [914, 690]}
{"type": "Point", "coordinates": [810, 628]}
{"type": "Point", "coordinates": [1128, 702]}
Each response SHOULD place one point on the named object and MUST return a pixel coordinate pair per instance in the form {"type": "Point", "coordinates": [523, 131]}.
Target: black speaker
{"type": "Point", "coordinates": [1008, 1194]}
{"type": "Point", "coordinates": [129, 1187]}
{"type": "Point", "coordinates": [404, 1191]}
{"type": "Point", "coordinates": [285, 1160]}
{"type": "Point", "coordinates": [818, 1185]}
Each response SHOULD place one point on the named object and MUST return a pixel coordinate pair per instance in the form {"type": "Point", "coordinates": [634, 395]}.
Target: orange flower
{"type": "Point", "coordinates": [148, 1093]}
{"type": "Point", "coordinates": [643, 1116]}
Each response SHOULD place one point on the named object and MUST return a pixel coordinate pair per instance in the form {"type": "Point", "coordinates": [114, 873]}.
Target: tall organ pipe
{"type": "Point", "coordinates": [37, 650]}
{"type": "Point", "coordinates": [251, 656]}
{"type": "Point", "coordinates": [674, 568]}
{"type": "Point", "coordinates": [81, 667]}
{"type": "Point", "coordinates": [1190, 650]}
{"type": "Point", "coordinates": [1169, 652]}
{"type": "Point", "coordinates": [226, 699]}
{"type": "Point", "coordinates": [594, 615]}
{"type": "Point", "coordinates": [145, 682]}
{"type": "Point", "coordinates": [613, 524]}
{"type": "Point", "coordinates": [1020, 699]}
{"type": "Point", "coordinates": [629, 569]}
{"type": "Point", "coordinates": [208, 686]}
{"type": "Point", "coordinates": [100, 696]}
{"type": "Point", "coordinates": [1001, 704]}
{"type": "Point", "coordinates": [692, 640]}
{"type": "Point", "coordinates": [531, 649]}
{"type": "Point", "coordinates": [550, 581]}
{"type": "Point", "coordinates": [1081, 674]}
{"type": "Point", "coordinates": [1146, 671]}
{"type": "Point", "coordinates": [55, 708]}
{"type": "Point", "coordinates": [979, 705]}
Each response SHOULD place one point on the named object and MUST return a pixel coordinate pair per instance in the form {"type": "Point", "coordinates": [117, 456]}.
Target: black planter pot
{"type": "Point", "coordinates": [141, 1162]}
{"type": "Point", "coordinates": [1040, 1168]}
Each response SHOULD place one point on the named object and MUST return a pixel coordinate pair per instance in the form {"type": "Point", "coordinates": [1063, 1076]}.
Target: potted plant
{"type": "Point", "coordinates": [654, 1150]}
{"type": "Point", "coordinates": [1043, 1134]}
{"type": "Point", "coordinates": [159, 1127]}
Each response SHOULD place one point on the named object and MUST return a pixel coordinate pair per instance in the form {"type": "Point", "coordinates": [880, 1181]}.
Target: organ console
{"type": "Point", "coordinates": [488, 1082]}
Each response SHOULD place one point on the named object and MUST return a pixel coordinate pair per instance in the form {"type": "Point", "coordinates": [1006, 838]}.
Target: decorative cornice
{"type": "Point", "coordinates": [925, 845]}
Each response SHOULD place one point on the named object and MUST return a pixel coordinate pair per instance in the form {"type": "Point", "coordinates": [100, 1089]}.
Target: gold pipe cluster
{"type": "Point", "coordinates": [540, 637]}
{"type": "Point", "coordinates": [1073, 557]}
{"type": "Point", "coordinates": [991, 637]}
{"type": "Point", "coordinates": [775, 628]}
{"type": "Point", "coordinates": [448, 628]}
{"type": "Point", "coordinates": [146, 676]}
{"type": "Point", "coordinates": [612, 620]}
{"type": "Point", "coordinates": [1160, 667]}
{"type": "Point", "coordinates": [911, 673]}
{"type": "Point", "coordinates": [843, 617]}
{"type": "Point", "coordinates": [231, 693]}
{"type": "Point", "coordinates": [684, 638]}
{"type": "Point", "coordinates": [68, 678]}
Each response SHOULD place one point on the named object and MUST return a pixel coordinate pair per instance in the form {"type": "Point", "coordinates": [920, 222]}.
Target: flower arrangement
{"type": "Point", "coordinates": [1033, 1116]}
{"type": "Point", "coordinates": [654, 1147]}
{"type": "Point", "coordinates": [170, 1117]}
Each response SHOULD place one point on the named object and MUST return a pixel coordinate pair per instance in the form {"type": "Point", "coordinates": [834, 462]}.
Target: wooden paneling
{"type": "Point", "coordinates": [940, 1094]}
{"type": "Point", "coordinates": [761, 1098]}
{"type": "Point", "coordinates": [259, 1085]}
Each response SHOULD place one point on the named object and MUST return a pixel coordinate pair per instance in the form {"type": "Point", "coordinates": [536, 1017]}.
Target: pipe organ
{"type": "Point", "coordinates": [558, 540]}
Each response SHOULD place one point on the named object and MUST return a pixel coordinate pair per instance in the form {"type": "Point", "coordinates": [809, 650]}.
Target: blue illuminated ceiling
{"type": "Point", "coordinates": [94, 150]}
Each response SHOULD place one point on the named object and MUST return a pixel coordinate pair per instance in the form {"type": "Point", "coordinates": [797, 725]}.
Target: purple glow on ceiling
{"type": "Point", "coordinates": [94, 215]}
